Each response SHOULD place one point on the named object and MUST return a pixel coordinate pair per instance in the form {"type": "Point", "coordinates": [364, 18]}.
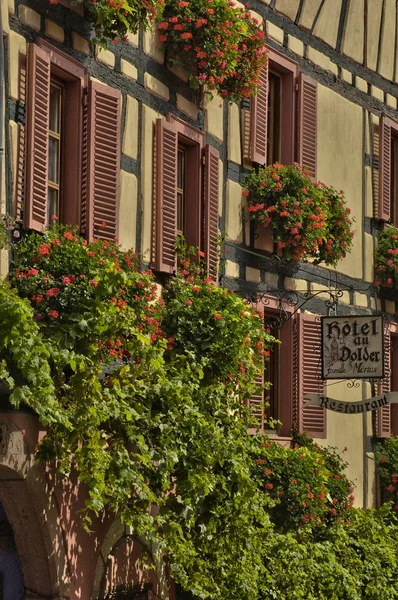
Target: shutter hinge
{"type": "Point", "coordinates": [85, 98]}
{"type": "Point", "coordinates": [297, 86]}
{"type": "Point", "coordinates": [203, 159]}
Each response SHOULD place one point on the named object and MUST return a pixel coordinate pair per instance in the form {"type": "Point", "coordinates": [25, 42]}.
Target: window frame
{"type": "Point", "coordinates": [288, 71]}
{"type": "Point", "coordinates": [73, 77]}
{"type": "Point", "coordinates": [270, 306]}
{"type": "Point", "coordinates": [193, 142]}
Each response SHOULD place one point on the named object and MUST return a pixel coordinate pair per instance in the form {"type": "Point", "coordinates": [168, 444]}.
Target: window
{"type": "Point", "coordinates": [181, 189]}
{"type": "Point", "coordinates": [54, 151]}
{"type": "Point", "coordinates": [73, 145]}
{"type": "Point", "coordinates": [186, 194]}
{"type": "Point", "coordinates": [387, 417]}
{"type": "Point", "coordinates": [293, 369]}
{"type": "Point", "coordinates": [388, 171]}
{"type": "Point", "coordinates": [274, 138]}
{"type": "Point", "coordinates": [282, 117]}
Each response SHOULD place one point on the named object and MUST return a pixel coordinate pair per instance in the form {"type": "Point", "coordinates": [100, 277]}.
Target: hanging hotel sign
{"type": "Point", "coordinates": [351, 408]}
{"type": "Point", "coordinates": [352, 347]}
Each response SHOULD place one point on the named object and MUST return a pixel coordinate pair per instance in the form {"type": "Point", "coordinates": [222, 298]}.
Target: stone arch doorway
{"type": "Point", "coordinates": [11, 576]}
{"type": "Point", "coordinates": [28, 522]}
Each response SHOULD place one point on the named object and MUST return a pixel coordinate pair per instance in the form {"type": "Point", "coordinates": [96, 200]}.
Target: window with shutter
{"type": "Point", "coordinates": [307, 373]}
{"type": "Point", "coordinates": [383, 416]}
{"type": "Point", "coordinates": [394, 378]}
{"type": "Point", "coordinates": [73, 146]}
{"type": "Point", "coordinates": [276, 401]}
{"type": "Point", "coordinates": [272, 113]}
{"type": "Point", "coordinates": [185, 195]}
{"type": "Point", "coordinates": [55, 85]}
{"type": "Point", "coordinates": [388, 170]}
{"type": "Point", "coordinates": [307, 124]}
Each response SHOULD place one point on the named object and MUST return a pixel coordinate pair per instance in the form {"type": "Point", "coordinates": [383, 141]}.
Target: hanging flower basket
{"type": "Point", "coordinates": [310, 221]}
{"type": "Point", "coordinates": [386, 258]}
{"type": "Point", "coordinates": [218, 45]}
{"type": "Point", "coordinates": [115, 19]}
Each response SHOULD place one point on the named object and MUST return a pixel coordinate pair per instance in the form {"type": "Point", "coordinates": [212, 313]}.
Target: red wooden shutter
{"type": "Point", "coordinates": [85, 154]}
{"type": "Point", "coordinates": [211, 192]}
{"type": "Point", "coordinates": [256, 404]}
{"type": "Point", "coordinates": [103, 165]}
{"type": "Point", "coordinates": [385, 169]}
{"type": "Point", "coordinates": [307, 141]}
{"type": "Point", "coordinates": [37, 124]}
{"type": "Point", "coordinates": [383, 417]}
{"type": "Point", "coordinates": [307, 371]}
{"type": "Point", "coordinates": [165, 196]}
{"type": "Point", "coordinates": [259, 120]}
{"type": "Point", "coordinates": [394, 383]}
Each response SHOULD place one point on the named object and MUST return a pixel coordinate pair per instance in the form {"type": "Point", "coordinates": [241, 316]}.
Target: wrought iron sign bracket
{"type": "Point", "coordinates": [291, 301]}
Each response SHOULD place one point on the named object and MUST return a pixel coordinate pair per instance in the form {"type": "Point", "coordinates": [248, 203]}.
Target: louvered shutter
{"type": "Point", "coordinates": [394, 383]}
{"type": "Point", "coordinates": [85, 156]}
{"type": "Point", "coordinates": [165, 196]}
{"type": "Point", "coordinates": [307, 135]}
{"type": "Point", "coordinates": [37, 126]}
{"type": "Point", "coordinates": [211, 193]}
{"type": "Point", "coordinates": [103, 165]}
{"type": "Point", "coordinates": [258, 121]}
{"type": "Point", "coordinates": [307, 372]}
{"type": "Point", "coordinates": [383, 417]}
{"type": "Point", "coordinates": [385, 169]}
{"type": "Point", "coordinates": [256, 404]}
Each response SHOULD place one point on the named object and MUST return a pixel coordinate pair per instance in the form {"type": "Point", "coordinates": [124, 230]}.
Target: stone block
{"type": "Point", "coordinates": [288, 8]}
{"type": "Point", "coordinates": [377, 93]}
{"type": "Point", "coordinates": [234, 146]}
{"type": "Point", "coordinates": [231, 269]}
{"type": "Point", "coordinates": [54, 31]}
{"type": "Point", "coordinates": [361, 84]}
{"type": "Point", "coordinates": [187, 107]}
{"type": "Point", "coordinates": [152, 46]}
{"type": "Point", "coordinates": [80, 44]}
{"type": "Point", "coordinates": [17, 46]}
{"type": "Point", "coordinates": [106, 57]}
{"type": "Point", "coordinates": [214, 116]}
{"type": "Point", "coordinates": [274, 33]}
{"type": "Point", "coordinates": [130, 134]}
{"type": "Point", "coordinates": [346, 76]}
{"type": "Point", "coordinates": [156, 87]}
{"type": "Point", "coordinates": [318, 58]}
{"type": "Point", "coordinates": [295, 45]}
{"type": "Point", "coordinates": [360, 300]}
{"type": "Point", "coordinates": [128, 210]}
{"type": "Point", "coordinates": [29, 17]}
{"type": "Point", "coordinates": [391, 101]}
{"type": "Point", "coordinates": [128, 69]}
{"type": "Point", "coordinates": [234, 211]}
{"type": "Point", "coordinates": [252, 275]}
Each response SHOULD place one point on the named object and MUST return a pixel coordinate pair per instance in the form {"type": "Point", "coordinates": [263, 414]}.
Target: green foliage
{"type": "Point", "coordinates": [386, 257]}
{"type": "Point", "coordinates": [144, 398]}
{"type": "Point", "coordinates": [219, 45]}
{"type": "Point", "coordinates": [310, 221]}
{"type": "Point", "coordinates": [144, 417]}
{"type": "Point", "coordinates": [358, 562]}
{"type": "Point", "coordinates": [308, 484]}
{"type": "Point", "coordinates": [387, 462]}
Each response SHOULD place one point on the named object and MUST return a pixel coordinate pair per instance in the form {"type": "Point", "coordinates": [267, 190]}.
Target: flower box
{"type": "Point", "coordinates": [310, 221]}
